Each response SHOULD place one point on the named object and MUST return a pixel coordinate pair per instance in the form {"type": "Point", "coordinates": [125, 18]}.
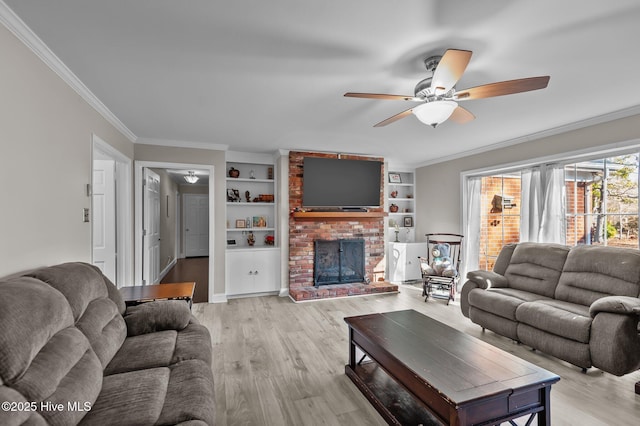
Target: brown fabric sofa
{"type": "Point", "coordinates": [71, 353]}
{"type": "Point", "coordinates": [579, 304]}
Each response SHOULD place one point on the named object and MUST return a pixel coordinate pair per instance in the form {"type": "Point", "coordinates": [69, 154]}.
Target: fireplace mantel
{"type": "Point", "coordinates": [338, 215]}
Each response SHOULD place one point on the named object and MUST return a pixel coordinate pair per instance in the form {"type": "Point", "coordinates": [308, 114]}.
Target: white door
{"type": "Point", "coordinates": [151, 228]}
{"type": "Point", "coordinates": [103, 203]}
{"type": "Point", "coordinates": [196, 225]}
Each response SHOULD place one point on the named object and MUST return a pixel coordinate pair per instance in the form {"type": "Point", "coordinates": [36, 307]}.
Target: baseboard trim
{"type": "Point", "coordinates": [166, 270]}
{"type": "Point", "coordinates": [218, 298]}
{"type": "Point", "coordinates": [284, 292]}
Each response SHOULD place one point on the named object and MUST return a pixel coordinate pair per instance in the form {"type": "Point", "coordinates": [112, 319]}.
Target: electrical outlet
{"type": "Point", "coordinates": [85, 214]}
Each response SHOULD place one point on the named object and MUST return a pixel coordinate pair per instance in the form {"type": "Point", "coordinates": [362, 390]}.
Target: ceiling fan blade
{"type": "Point", "coordinates": [380, 96]}
{"type": "Point", "coordinates": [503, 88]}
{"type": "Point", "coordinates": [396, 117]}
{"type": "Point", "coordinates": [461, 115]}
{"type": "Point", "coordinates": [450, 69]}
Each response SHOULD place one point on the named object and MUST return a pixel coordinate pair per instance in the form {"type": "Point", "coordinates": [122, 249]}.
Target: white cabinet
{"type": "Point", "coordinates": [401, 205]}
{"type": "Point", "coordinates": [403, 261]}
{"type": "Point", "coordinates": [252, 271]}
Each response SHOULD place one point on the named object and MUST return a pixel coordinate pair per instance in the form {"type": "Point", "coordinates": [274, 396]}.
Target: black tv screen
{"type": "Point", "coordinates": [331, 182]}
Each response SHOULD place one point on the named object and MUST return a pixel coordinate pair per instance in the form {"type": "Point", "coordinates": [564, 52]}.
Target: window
{"type": "Point", "coordinates": [602, 201]}
{"type": "Point", "coordinates": [599, 203]}
{"type": "Point", "coordinates": [499, 215]}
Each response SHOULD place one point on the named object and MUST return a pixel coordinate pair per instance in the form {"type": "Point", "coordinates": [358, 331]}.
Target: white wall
{"type": "Point", "coordinates": [438, 186]}
{"type": "Point", "coordinates": [45, 162]}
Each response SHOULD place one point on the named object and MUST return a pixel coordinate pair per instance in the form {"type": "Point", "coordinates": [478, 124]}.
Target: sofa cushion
{"type": "Point", "coordinates": [536, 268]}
{"type": "Point", "coordinates": [132, 398]}
{"type": "Point", "coordinates": [43, 357]}
{"type": "Point", "coordinates": [501, 301]}
{"type": "Point", "coordinates": [592, 272]}
{"type": "Point", "coordinates": [569, 350]}
{"type": "Point", "coordinates": [157, 316]}
{"type": "Point", "coordinates": [564, 319]}
{"type": "Point", "coordinates": [94, 312]}
{"type": "Point", "coordinates": [157, 396]}
{"type": "Point", "coordinates": [104, 327]}
{"type": "Point", "coordinates": [504, 258]}
{"type": "Point", "coordinates": [135, 354]}
{"type": "Point", "coordinates": [194, 342]}
{"type": "Point", "coordinates": [79, 282]}
{"type": "Point", "coordinates": [189, 394]}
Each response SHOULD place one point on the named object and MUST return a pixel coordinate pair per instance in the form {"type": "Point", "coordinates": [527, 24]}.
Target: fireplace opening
{"type": "Point", "coordinates": [339, 261]}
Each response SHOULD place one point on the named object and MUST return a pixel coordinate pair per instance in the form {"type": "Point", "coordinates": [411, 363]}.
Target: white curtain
{"type": "Point", "coordinates": [471, 258]}
{"type": "Point", "coordinates": [553, 220]}
{"type": "Point", "coordinates": [543, 204]}
{"type": "Point", "coordinates": [531, 204]}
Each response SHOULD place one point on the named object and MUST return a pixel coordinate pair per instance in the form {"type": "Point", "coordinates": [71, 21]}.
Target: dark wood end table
{"type": "Point", "coordinates": [424, 372]}
{"type": "Point", "coordinates": [135, 295]}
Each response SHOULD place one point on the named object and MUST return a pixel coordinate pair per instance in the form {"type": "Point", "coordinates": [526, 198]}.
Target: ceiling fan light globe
{"type": "Point", "coordinates": [434, 113]}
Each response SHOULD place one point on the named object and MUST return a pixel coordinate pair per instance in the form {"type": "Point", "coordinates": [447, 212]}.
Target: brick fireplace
{"type": "Point", "coordinates": [304, 231]}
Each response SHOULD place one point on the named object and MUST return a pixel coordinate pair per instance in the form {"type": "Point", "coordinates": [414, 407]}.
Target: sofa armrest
{"type": "Point", "coordinates": [487, 279]}
{"type": "Point", "coordinates": [616, 305]}
{"type": "Point", "coordinates": [157, 316]}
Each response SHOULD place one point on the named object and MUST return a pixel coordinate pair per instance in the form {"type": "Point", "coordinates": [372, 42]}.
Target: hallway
{"type": "Point", "coordinates": [191, 269]}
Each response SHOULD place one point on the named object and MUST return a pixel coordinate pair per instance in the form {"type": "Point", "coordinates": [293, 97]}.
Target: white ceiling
{"type": "Point", "coordinates": [261, 75]}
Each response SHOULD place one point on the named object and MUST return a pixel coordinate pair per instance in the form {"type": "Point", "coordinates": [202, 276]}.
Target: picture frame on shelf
{"type": "Point", "coordinates": [408, 221]}
{"type": "Point", "coordinates": [241, 223]}
{"type": "Point", "coordinates": [395, 178]}
{"type": "Point", "coordinates": [259, 222]}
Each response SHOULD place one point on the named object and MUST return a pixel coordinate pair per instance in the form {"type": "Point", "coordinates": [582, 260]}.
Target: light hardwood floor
{"type": "Point", "coordinates": [280, 363]}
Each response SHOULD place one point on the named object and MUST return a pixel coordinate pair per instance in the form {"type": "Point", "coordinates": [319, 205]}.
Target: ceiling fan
{"type": "Point", "coordinates": [438, 96]}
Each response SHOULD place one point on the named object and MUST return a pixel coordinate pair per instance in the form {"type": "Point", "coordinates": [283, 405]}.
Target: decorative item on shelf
{"type": "Point", "coordinates": [251, 239]}
{"type": "Point", "coordinates": [408, 222]}
{"type": "Point", "coordinates": [231, 242]}
{"type": "Point", "coordinates": [407, 210]}
{"type": "Point", "coordinates": [247, 196]}
{"type": "Point", "coordinates": [234, 173]}
{"type": "Point", "coordinates": [394, 194]}
{"type": "Point", "coordinates": [269, 240]}
{"type": "Point", "coordinates": [241, 223]}
{"type": "Point", "coordinates": [248, 222]}
{"type": "Point", "coordinates": [259, 222]}
{"type": "Point", "coordinates": [252, 174]}
{"type": "Point", "coordinates": [409, 195]}
{"type": "Point", "coordinates": [393, 208]}
{"type": "Point", "coordinates": [395, 178]}
{"type": "Point", "coordinates": [392, 223]}
{"type": "Point", "coordinates": [233, 195]}
{"type": "Point", "coordinates": [397, 231]}
{"type": "Point", "coordinates": [270, 173]}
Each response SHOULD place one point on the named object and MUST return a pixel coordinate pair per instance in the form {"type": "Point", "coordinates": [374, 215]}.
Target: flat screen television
{"type": "Point", "coordinates": [335, 183]}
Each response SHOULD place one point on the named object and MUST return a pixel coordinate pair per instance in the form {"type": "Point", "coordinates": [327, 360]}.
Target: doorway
{"type": "Point", "coordinates": [110, 194]}
{"type": "Point", "coordinates": [196, 225]}
{"type": "Point", "coordinates": [170, 171]}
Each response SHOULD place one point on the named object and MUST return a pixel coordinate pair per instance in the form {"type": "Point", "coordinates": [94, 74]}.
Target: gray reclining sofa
{"type": "Point", "coordinates": [71, 353]}
{"type": "Point", "coordinates": [579, 304]}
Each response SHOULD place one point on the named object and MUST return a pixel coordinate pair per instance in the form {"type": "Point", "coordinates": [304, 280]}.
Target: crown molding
{"type": "Point", "coordinates": [17, 26]}
{"type": "Point", "coordinates": [604, 118]}
{"type": "Point", "coordinates": [183, 144]}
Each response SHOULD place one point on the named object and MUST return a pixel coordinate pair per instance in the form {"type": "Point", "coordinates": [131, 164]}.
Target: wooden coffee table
{"type": "Point", "coordinates": [135, 295]}
{"type": "Point", "coordinates": [421, 371]}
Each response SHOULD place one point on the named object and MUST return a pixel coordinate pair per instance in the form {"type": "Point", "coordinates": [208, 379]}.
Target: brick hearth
{"type": "Point", "coordinates": [302, 233]}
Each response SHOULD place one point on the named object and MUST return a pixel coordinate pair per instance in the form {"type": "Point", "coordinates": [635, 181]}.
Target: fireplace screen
{"type": "Point", "coordinates": [339, 261]}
